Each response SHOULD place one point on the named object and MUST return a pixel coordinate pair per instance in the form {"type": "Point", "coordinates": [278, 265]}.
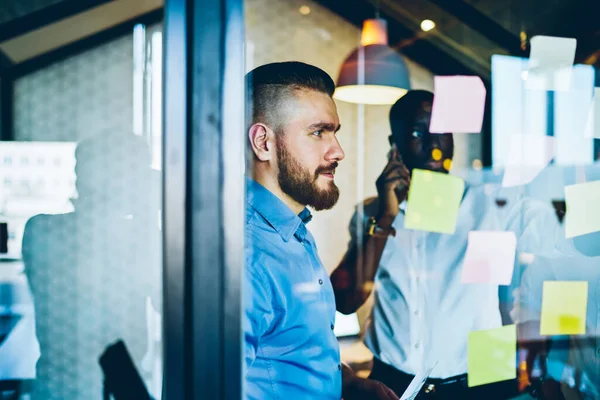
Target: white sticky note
{"type": "Point", "coordinates": [490, 257]}
{"type": "Point", "coordinates": [416, 384]}
{"type": "Point", "coordinates": [528, 156]}
{"type": "Point", "coordinates": [592, 126]}
{"type": "Point", "coordinates": [551, 63]}
{"type": "Point", "coordinates": [583, 214]}
{"type": "Point", "coordinates": [458, 104]}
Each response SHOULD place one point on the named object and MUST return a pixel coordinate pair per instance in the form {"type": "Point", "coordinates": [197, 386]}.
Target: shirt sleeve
{"type": "Point", "coordinates": [358, 222]}
{"type": "Point", "coordinates": [258, 310]}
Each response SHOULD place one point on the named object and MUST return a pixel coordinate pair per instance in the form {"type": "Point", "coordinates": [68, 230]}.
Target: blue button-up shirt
{"type": "Point", "coordinates": [290, 349]}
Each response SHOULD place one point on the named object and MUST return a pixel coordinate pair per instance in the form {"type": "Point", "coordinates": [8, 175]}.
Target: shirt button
{"type": "Point", "coordinates": [416, 312]}
{"type": "Point", "coordinates": [417, 345]}
{"type": "Point", "coordinates": [320, 281]}
{"type": "Point", "coordinates": [339, 367]}
{"type": "Point", "coordinates": [332, 327]}
{"type": "Point", "coordinates": [598, 351]}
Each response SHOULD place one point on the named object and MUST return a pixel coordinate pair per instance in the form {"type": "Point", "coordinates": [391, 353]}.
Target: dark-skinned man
{"type": "Point", "coordinates": [422, 312]}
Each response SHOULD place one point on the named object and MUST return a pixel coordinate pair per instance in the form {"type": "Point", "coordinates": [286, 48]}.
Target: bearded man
{"type": "Point", "coordinates": [291, 351]}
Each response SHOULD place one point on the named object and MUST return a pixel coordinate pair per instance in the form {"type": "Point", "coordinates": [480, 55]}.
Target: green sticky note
{"type": "Point", "coordinates": [564, 308]}
{"type": "Point", "coordinates": [492, 355]}
{"type": "Point", "coordinates": [583, 213]}
{"type": "Point", "coordinates": [433, 201]}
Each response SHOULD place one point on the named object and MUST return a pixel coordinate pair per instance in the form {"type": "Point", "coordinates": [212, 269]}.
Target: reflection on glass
{"type": "Point", "coordinates": [81, 257]}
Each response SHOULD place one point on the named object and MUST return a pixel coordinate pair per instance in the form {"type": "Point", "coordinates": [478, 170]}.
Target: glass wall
{"type": "Point", "coordinates": [80, 211]}
{"type": "Point", "coordinates": [476, 279]}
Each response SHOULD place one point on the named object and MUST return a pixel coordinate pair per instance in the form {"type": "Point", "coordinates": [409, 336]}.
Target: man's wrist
{"type": "Point", "coordinates": [385, 221]}
{"type": "Point", "coordinates": [375, 228]}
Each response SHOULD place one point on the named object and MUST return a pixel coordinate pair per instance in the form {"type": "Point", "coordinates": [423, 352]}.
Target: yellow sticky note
{"type": "Point", "coordinates": [564, 308]}
{"type": "Point", "coordinates": [583, 213]}
{"type": "Point", "coordinates": [492, 355]}
{"type": "Point", "coordinates": [433, 201]}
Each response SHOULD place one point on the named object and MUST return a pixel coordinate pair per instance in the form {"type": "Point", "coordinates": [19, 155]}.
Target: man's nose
{"type": "Point", "coordinates": [335, 152]}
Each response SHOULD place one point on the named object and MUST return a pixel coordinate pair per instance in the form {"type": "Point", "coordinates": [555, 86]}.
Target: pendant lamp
{"type": "Point", "coordinates": [374, 73]}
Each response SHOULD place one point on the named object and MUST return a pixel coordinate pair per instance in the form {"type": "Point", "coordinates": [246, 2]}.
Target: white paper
{"type": "Point", "coordinates": [416, 384]}
{"type": "Point", "coordinates": [528, 156]}
{"type": "Point", "coordinates": [551, 63]}
{"type": "Point", "coordinates": [592, 127]}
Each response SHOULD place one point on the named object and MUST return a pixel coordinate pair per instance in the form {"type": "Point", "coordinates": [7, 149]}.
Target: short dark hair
{"type": "Point", "coordinates": [406, 106]}
{"type": "Point", "coordinates": [270, 84]}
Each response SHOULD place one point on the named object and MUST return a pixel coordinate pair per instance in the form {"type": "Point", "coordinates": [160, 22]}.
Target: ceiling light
{"type": "Point", "coordinates": [373, 73]}
{"type": "Point", "coordinates": [427, 25]}
{"type": "Point", "coordinates": [304, 10]}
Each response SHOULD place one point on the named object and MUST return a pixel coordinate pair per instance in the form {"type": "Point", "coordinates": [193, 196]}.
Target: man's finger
{"type": "Point", "coordinates": [384, 393]}
{"type": "Point", "coordinates": [397, 181]}
{"type": "Point", "coordinates": [396, 171]}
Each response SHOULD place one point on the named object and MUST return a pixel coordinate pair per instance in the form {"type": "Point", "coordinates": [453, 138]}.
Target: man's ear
{"type": "Point", "coordinates": [262, 141]}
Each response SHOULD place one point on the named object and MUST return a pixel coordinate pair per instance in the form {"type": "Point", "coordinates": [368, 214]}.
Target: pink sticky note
{"type": "Point", "coordinates": [528, 156]}
{"type": "Point", "coordinates": [458, 104]}
{"type": "Point", "coordinates": [490, 257]}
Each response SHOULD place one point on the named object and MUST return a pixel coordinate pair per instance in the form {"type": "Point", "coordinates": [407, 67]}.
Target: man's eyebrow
{"type": "Point", "coordinates": [326, 126]}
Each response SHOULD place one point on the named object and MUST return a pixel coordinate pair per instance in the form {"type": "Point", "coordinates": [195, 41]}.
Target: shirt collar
{"type": "Point", "coordinates": [277, 214]}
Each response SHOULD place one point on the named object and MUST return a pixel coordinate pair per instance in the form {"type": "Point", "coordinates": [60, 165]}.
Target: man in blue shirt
{"type": "Point", "coordinates": [291, 351]}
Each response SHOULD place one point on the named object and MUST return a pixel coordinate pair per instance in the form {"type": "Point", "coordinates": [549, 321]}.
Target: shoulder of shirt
{"type": "Point", "coordinates": [370, 206]}
{"type": "Point", "coordinates": [262, 244]}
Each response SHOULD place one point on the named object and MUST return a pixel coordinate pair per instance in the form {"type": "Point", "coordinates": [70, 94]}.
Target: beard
{"type": "Point", "coordinates": [301, 185]}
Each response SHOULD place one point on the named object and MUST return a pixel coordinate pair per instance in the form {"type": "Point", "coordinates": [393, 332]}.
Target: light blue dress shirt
{"type": "Point", "coordinates": [291, 351]}
{"type": "Point", "coordinates": [423, 312]}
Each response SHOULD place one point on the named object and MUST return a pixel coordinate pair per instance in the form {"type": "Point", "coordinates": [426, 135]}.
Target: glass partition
{"type": "Point", "coordinates": [462, 255]}
{"type": "Point", "coordinates": [80, 212]}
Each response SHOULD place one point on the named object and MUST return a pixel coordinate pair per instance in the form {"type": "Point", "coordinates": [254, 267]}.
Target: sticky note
{"type": "Point", "coordinates": [583, 214]}
{"type": "Point", "coordinates": [458, 104]}
{"type": "Point", "coordinates": [433, 201]}
{"type": "Point", "coordinates": [564, 308]}
{"type": "Point", "coordinates": [490, 257]}
{"type": "Point", "coordinates": [492, 355]}
{"type": "Point", "coordinates": [529, 154]}
{"type": "Point", "coordinates": [550, 63]}
{"type": "Point", "coordinates": [592, 126]}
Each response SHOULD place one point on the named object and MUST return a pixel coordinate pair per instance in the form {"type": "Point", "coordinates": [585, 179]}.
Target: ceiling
{"type": "Point", "coordinates": [32, 28]}
{"type": "Point", "coordinates": [469, 32]}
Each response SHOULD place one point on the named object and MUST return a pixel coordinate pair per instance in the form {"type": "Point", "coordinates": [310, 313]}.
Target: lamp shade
{"type": "Point", "coordinates": [373, 74]}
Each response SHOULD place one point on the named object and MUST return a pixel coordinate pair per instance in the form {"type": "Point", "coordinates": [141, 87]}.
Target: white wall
{"type": "Point", "coordinates": [276, 31]}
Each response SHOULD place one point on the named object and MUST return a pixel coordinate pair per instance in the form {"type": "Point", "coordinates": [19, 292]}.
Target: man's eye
{"type": "Point", "coordinates": [417, 134]}
{"type": "Point", "coordinates": [317, 133]}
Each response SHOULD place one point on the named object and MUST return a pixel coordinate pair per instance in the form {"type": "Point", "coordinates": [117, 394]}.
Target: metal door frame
{"type": "Point", "coordinates": [203, 194]}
